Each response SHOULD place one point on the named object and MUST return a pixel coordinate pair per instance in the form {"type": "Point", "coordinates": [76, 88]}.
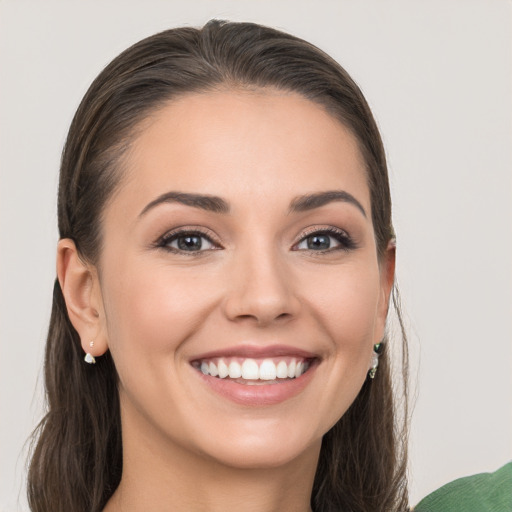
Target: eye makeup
{"type": "Point", "coordinates": [320, 240]}
{"type": "Point", "coordinates": [196, 240]}
{"type": "Point", "coordinates": [188, 241]}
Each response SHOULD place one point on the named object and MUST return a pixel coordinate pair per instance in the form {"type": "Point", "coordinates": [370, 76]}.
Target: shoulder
{"type": "Point", "coordinates": [485, 492]}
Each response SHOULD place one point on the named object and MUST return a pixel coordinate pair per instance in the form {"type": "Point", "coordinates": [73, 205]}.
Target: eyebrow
{"type": "Point", "coordinates": [204, 202]}
{"type": "Point", "coordinates": [311, 201]}
{"type": "Point", "coordinates": [218, 205]}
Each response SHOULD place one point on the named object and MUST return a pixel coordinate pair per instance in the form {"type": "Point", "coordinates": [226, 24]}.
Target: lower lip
{"type": "Point", "coordinates": [258, 394]}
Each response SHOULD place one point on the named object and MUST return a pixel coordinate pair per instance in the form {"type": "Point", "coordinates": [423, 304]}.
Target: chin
{"type": "Point", "coordinates": [264, 453]}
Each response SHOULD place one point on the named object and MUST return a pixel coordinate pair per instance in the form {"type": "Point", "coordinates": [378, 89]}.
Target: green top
{"type": "Point", "coordinates": [486, 492]}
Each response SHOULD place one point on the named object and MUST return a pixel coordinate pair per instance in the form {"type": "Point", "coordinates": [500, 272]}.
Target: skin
{"type": "Point", "coordinates": [257, 283]}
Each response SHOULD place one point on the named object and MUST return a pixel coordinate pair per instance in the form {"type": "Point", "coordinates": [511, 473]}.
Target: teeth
{"type": "Point", "coordinates": [235, 370]}
{"type": "Point", "coordinates": [268, 370]}
{"type": "Point", "coordinates": [282, 370]}
{"type": "Point", "coordinates": [251, 369]}
{"type": "Point", "coordinates": [291, 369]}
{"type": "Point", "coordinates": [223, 369]}
{"type": "Point", "coordinates": [213, 370]}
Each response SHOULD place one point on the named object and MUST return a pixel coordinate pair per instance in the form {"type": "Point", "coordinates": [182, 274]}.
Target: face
{"type": "Point", "coordinates": [240, 284]}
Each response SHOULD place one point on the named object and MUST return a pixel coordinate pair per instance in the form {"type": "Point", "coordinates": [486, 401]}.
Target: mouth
{"type": "Point", "coordinates": [257, 376]}
{"type": "Point", "coordinates": [254, 371]}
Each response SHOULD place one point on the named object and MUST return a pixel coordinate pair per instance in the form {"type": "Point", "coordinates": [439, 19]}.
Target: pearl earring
{"type": "Point", "coordinates": [89, 358]}
{"type": "Point", "coordinates": [377, 350]}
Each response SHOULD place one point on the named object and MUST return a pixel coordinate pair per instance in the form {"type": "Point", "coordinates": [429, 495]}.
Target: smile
{"type": "Point", "coordinates": [253, 375]}
{"type": "Point", "coordinates": [252, 370]}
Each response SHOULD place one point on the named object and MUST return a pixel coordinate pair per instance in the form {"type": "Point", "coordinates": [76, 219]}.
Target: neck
{"type": "Point", "coordinates": [161, 476]}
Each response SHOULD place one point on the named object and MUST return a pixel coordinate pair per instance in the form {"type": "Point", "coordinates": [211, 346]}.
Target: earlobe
{"type": "Point", "coordinates": [80, 287]}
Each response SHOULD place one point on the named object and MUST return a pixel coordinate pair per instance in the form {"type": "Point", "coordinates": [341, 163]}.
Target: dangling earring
{"type": "Point", "coordinates": [377, 350]}
{"type": "Point", "coordinates": [89, 358]}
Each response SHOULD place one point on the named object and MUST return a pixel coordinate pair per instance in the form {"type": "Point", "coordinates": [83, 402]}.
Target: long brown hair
{"type": "Point", "coordinates": [76, 463]}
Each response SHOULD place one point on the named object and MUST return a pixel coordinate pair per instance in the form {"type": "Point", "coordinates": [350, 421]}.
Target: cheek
{"type": "Point", "coordinates": [152, 310]}
{"type": "Point", "coordinates": [345, 301]}
{"type": "Point", "coordinates": [345, 306]}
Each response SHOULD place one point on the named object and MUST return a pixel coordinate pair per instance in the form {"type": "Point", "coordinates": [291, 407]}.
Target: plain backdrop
{"type": "Point", "coordinates": [438, 76]}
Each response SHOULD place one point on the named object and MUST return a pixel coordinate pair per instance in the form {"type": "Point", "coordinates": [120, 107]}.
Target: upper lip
{"type": "Point", "coordinates": [257, 352]}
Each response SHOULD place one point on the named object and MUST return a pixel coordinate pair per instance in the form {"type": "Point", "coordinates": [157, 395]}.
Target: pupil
{"type": "Point", "coordinates": [319, 242]}
{"type": "Point", "coordinates": [189, 243]}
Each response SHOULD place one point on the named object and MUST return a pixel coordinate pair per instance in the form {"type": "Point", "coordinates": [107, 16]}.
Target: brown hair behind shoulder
{"type": "Point", "coordinates": [76, 462]}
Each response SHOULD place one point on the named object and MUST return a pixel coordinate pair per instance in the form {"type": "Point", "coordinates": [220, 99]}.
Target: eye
{"type": "Point", "coordinates": [325, 240]}
{"type": "Point", "coordinates": [187, 241]}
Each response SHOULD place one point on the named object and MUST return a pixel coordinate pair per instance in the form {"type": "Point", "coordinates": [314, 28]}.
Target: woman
{"type": "Point", "coordinates": [225, 266]}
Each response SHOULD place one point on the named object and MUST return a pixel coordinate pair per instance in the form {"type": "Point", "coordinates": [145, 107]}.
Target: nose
{"type": "Point", "coordinates": [261, 289]}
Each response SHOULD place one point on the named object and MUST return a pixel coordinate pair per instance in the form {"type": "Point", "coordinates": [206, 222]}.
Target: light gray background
{"type": "Point", "coordinates": [438, 76]}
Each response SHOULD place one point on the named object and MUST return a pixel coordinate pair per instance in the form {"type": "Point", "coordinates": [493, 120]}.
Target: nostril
{"type": "Point", "coordinates": [263, 319]}
{"type": "Point", "coordinates": [260, 301]}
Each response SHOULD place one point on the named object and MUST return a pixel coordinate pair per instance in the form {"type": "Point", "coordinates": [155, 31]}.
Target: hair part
{"type": "Point", "coordinates": [77, 457]}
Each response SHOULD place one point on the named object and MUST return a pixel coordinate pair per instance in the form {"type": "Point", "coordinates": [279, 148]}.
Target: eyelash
{"type": "Point", "coordinates": [172, 236]}
{"type": "Point", "coordinates": [341, 236]}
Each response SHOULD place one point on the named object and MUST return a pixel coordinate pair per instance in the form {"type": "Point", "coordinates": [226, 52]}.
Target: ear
{"type": "Point", "coordinates": [387, 279]}
{"type": "Point", "coordinates": [80, 286]}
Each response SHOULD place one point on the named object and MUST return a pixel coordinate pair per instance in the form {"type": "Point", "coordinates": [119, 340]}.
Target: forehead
{"type": "Point", "coordinates": [244, 143]}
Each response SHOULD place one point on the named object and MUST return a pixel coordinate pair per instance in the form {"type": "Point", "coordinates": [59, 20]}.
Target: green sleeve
{"type": "Point", "coordinates": [486, 492]}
